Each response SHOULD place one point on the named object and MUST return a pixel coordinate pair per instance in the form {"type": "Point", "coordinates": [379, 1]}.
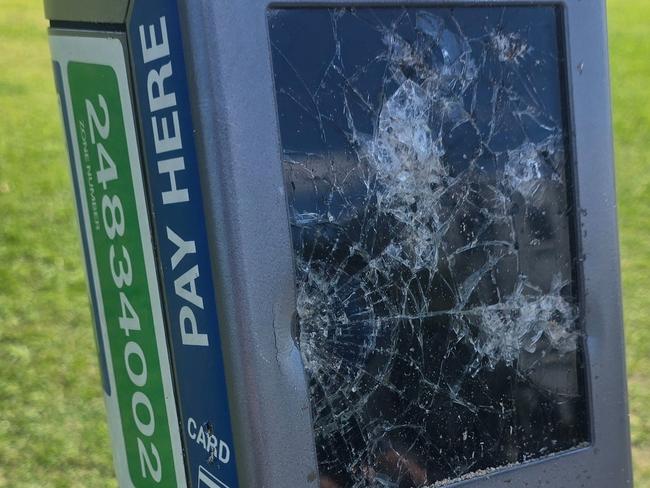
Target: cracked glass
{"type": "Point", "coordinates": [426, 156]}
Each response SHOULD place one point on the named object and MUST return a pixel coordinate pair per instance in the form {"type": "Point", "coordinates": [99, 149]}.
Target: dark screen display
{"type": "Point", "coordinates": [426, 154]}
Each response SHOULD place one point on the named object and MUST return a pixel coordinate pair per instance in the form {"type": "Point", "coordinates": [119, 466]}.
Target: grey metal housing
{"type": "Point", "coordinates": [112, 12]}
{"type": "Point", "coordinates": [233, 85]}
{"type": "Point", "coordinates": [229, 64]}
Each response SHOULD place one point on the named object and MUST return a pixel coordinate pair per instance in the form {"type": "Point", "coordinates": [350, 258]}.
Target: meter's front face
{"type": "Point", "coordinates": [428, 166]}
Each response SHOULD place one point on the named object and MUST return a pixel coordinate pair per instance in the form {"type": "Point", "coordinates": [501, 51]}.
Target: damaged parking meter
{"type": "Point", "coordinates": [349, 244]}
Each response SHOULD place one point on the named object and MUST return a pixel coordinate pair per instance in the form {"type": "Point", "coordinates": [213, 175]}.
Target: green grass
{"type": "Point", "coordinates": [53, 429]}
{"type": "Point", "coordinates": [629, 27]}
{"type": "Point", "coordinates": [52, 423]}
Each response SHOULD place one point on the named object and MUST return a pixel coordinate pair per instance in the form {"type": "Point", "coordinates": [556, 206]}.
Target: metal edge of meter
{"type": "Point", "coordinates": [67, 46]}
{"type": "Point", "coordinates": [233, 80]}
{"type": "Point", "coordinates": [93, 11]}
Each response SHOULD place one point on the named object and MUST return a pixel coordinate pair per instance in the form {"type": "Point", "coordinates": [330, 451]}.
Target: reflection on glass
{"type": "Point", "coordinates": [425, 153]}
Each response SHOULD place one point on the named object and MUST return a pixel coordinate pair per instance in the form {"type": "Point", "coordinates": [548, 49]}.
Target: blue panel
{"type": "Point", "coordinates": [171, 163]}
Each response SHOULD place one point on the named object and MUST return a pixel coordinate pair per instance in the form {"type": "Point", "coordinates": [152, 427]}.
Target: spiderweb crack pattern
{"type": "Point", "coordinates": [425, 155]}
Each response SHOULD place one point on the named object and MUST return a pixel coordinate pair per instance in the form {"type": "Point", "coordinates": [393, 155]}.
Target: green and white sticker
{"type": "Point", "coordinates": [108, 177]}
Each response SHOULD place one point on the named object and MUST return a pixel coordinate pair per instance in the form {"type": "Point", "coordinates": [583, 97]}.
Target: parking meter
{"type": "Point", "coordinates": [367, 244]}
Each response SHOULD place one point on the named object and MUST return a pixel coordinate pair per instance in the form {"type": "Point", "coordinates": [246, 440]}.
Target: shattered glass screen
{"type": "Point", "coordinates": [427, 168]}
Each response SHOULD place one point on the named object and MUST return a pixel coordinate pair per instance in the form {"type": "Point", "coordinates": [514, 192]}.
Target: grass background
{"type": "Point", "coordinates": [53, 429]}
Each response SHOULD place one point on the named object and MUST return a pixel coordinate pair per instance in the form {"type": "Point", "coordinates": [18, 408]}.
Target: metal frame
{"type": "Point", "coordinates": [229, 65]}
{"type": "Point", "coordinates": [228, 47]}
{"type": "Point", "coordinates": [96, 11]}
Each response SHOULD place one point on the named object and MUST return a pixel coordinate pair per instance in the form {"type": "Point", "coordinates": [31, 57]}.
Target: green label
{"type": "Point", "coordinates": [115, 202]}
